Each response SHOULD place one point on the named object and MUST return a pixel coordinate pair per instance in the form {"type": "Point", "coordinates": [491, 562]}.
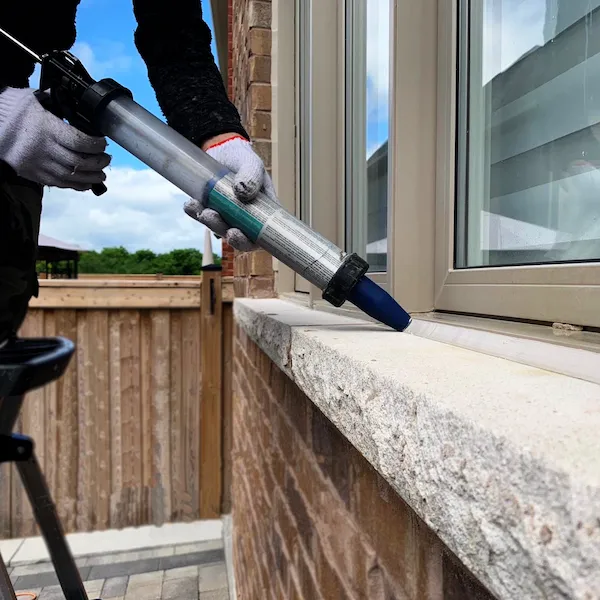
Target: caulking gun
{"type": "Point", "coordinates": [106, 109]}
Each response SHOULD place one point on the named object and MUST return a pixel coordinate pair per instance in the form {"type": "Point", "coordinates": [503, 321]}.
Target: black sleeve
{"type": "Point", "coordinates": [174, 42]}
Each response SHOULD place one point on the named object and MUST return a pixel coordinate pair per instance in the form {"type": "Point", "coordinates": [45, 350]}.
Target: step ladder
{"type": "Point", "coordinates": [27, 364]}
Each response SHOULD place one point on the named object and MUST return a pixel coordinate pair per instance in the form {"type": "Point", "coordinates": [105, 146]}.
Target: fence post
{"type": "Point", "coordinates": [211, 426]}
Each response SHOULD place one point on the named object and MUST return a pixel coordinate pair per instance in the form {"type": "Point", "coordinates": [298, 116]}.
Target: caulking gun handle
{"type": "Point", "coordinates": [99, 188]}
{"type": "Point", "coordinates": [50, 104]}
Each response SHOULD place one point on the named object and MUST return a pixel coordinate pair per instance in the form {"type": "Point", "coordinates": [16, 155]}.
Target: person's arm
{"type": "Point", "coordinates": [174, 42]}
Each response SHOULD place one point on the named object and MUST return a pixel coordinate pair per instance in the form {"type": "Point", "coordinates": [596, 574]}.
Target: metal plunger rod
{"type": "Point", "coordinates": [23, 47]}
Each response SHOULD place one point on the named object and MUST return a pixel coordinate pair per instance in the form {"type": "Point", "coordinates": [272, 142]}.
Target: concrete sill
{"type": "Point", "coordinates": [500, 459]}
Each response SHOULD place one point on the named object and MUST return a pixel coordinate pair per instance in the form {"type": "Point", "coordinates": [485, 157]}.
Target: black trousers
{"type": "Point", "coordinates": [20, 212]}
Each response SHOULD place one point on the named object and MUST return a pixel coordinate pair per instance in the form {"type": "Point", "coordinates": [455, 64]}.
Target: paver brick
{"type": "Point", "coordinates": [178, 589]}
{"type": "Point", "coordinates": [213, 577]}
{"type": "Point", "coordinates": [114, 587]}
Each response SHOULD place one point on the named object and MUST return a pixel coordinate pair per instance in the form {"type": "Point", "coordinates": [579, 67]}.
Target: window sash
{"type": "Point", "coordinates": [568, 293]}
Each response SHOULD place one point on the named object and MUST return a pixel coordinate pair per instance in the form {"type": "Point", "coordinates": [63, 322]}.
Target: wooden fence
{"type": "Point", "coordinates": [133, 433]}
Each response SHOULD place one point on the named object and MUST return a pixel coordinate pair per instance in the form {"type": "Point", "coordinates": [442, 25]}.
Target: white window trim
{"type": "Point", "coordinates": [325, 133]}
{"type": "Point", "coordinates": [283, 119]}
{"type": "Point", "coordinates": [422, 172]}
{"type": "Point", "coordinates": [413, 154]}
{"type": "Point", "coordinates": [549, 293]}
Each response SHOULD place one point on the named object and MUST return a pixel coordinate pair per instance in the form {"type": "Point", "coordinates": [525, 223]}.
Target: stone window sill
{"type": "Point", "coordinates": [500, 459]}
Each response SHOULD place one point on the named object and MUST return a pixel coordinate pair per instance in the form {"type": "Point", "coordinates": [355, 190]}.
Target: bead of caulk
{"type": "Point", "coordinates": [377, 303]}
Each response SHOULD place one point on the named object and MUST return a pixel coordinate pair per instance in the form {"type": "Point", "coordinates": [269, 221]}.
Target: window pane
{"type": "Point", "coordinates": [367, 129]}
{"type": "Point", "coordinates": [303, 76]}
{"type": "Point", "coordinates": [529, 127]}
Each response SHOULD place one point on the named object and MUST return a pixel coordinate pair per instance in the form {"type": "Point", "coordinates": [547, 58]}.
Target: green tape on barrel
{"type": "Point", "coordinates": [235, 216]}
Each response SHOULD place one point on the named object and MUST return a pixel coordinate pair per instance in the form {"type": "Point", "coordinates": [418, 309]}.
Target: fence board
{"type": "Point", "coordinates": [146, 415]}
{"type": "Point", "coordinates": [191, 401]}
{"type": "Point", "coordinates": [115, 326]}
{"type": "Point", "coordinates": [212, 397]}
{"type": "Point", "coordinates": [86, 481]}
{"type": "Point", "coordinates": [67, 434]}
{"type": "Point", "coordinates": [119, 435]}
{"type": "Point", "coordinates": [161, 417]}
{"type": "Point", "coordinates": [101, 400]}
{"type": "Point", "coordinates": [179, 501]}
{"type": "Point", "coordinates": [129, 508]}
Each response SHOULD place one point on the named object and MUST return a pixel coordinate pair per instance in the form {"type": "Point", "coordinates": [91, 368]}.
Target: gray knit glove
{"type": "Point", "coordinates": [250, 177]}
{"type": "Point", "coordinates": [44, 149]}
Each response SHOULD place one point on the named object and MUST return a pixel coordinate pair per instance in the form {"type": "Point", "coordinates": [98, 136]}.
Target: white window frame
{"type": "Point", "coordinates": [422, 142]}
{"type": "Point", "coordinates": [563, 293]}
{"type": "Point", "coordinates": [319, 120]}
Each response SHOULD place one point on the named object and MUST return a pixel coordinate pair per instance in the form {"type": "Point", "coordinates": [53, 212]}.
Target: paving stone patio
{"type": "Point", "coordinates": [193, 571]}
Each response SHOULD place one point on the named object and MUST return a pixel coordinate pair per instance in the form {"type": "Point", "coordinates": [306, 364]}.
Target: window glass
{"type": "Point", "coordinates": [528, 186]}
{"type": "Point", "coordinates": [303, 99]}
{"type": "Point", "coordinates": [367, 129]}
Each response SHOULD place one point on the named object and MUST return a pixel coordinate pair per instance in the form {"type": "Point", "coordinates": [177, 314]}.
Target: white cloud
{"type": "Point", "coordinates": [140, 210]}
{"type": "Point", "coordinates": [113, 61]}
{"type": "Point", "coordinates": [378, 59]}
{"type": "Point", "coordinates": [511, 28]}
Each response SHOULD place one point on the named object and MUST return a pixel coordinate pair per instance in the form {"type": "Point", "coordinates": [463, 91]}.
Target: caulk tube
{"type": "Point", "coordinates": [263, 221]}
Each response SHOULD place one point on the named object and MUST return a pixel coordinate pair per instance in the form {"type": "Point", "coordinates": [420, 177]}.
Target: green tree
{"type": "Point", "coordinates": [119, 261]}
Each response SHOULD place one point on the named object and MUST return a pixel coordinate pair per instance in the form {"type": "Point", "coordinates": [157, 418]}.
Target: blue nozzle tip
{"type": "Point", "coordinates": [377, 303]}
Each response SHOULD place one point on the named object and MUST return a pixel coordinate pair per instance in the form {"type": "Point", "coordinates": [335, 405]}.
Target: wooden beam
{"type": "Point", "coordinates": [117, 294]}
{"type": "Point", "coordinates": [211, 425]}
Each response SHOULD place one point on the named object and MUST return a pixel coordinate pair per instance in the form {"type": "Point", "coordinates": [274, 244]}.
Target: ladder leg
{"type": "Point", "coordinates": [9, 413]}
{"type": "Point", "coordinates": [7, 591]}
{"type": "Point", "coordinates": [52, 531]}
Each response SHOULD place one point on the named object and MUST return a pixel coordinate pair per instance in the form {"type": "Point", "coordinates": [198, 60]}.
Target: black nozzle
{"type": "Point", "coordinates": [347, 276]}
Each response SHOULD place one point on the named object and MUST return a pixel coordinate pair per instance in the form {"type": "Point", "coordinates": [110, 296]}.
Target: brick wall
{"type": "Point", "coordinates": [312, 519]}
{"type": "Point", "coordinates": [250, 90]}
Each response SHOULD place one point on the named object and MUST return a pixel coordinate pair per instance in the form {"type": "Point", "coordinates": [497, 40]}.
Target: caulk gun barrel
{"type": "Point", "coordinates": [200, 176]}
{"type": "Point", "coordinates": [339, 275]}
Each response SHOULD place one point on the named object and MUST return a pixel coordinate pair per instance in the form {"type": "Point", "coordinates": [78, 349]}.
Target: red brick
{"type": "Point", "coordinates": [260, 69]}
{"type": "Point", "coordinates": [329, 582]}
{"type": "Point", "coordinates": [259, 96]}
{"type": "Point", "coordinates": [312, 519]}
{"type": "Point", "coordinates": [459, 584]}
{"type": "Point", "coordinates": [277, 381]}
{"type": "Point", "coordinates": [297, 505]}
{"type": "Point", "coordinates": [306, 577]}
{"type": "Point", "coordinates": [333, 453]}
{"type": "Point", "coordinates": [295, 592]}
{"type": "Point", "coordinates": [259, 125]}
{"type": "Point", "coordinates": [261, 263]}
{"type": "Point", "coordinates": [259, 41]}
{"type": "Point", "coordinates": [259, 14]}
{"type": "Point", "coordinates": [264, 150]}
{"type": "Point", "coordinates": [261, 287]}
{"type": "Point", "coordinates": [389, 523]}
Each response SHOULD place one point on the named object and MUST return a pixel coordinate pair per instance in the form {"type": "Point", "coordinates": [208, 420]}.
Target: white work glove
{"type": "Point", "coordinates": [44, 149]}
{"type": "Point", "coordinates": [250, 177]}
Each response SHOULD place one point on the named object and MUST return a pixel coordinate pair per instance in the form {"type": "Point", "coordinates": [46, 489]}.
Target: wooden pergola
{"type": "Point", "coordinates": [61, 259]}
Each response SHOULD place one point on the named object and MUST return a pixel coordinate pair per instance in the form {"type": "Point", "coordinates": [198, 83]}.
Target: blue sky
{"type": "Point", "coordinates": [140, 210]}
{"type": "Point", "coordinates": [107, 27]}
